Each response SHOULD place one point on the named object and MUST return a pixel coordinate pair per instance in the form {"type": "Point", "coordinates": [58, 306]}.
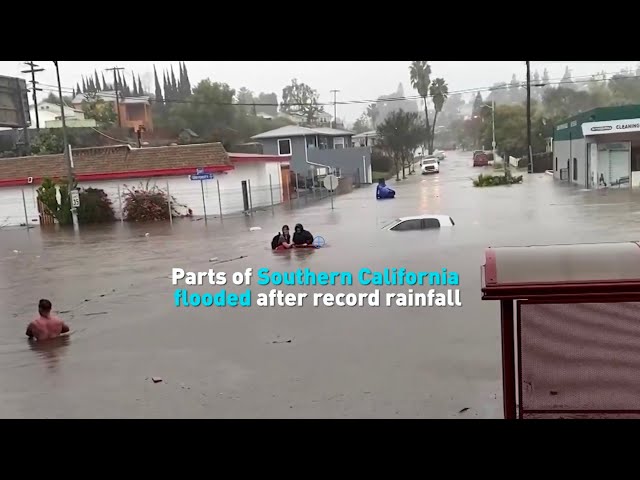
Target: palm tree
{"type": "Point", "coordinates": [420, 75]}
{"type": "Point", "coordinates": [439, 92]}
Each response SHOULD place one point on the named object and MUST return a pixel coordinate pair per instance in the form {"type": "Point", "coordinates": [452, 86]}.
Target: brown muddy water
{"type": "Point", "coordinates": [112, 286]}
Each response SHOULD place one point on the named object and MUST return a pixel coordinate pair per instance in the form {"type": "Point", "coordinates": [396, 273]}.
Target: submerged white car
{"type": "Point", "coordinates": [420, 222]}
{"type": "Point", "coordinates": [430, 165]}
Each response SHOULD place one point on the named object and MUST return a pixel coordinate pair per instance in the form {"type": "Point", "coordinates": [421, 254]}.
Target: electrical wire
{"type": "Point", "coordinates": [368, 101]}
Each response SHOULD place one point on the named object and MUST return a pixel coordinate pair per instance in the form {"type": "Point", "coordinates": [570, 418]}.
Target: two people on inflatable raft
{"type": "Point", "coordinates": [283, 240]}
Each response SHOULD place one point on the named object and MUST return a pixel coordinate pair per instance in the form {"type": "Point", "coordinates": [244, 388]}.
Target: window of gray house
{"type": "Point", "coordinates": [284, 146]}
{"type": "Point", "coordinates": [311, 142]}
{"type": "Point", "coordinates": [324, 143]}
{"type": "Point", "coordinates": [338, 142]}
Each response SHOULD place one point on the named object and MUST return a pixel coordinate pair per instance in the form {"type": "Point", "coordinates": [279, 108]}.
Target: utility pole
{"type": "Point", "coordinates": [34, 89]}
{"type": "Point", "coordinates": [115, 84]}
{"type": "Point", "coordinates": [529, 152]}
{"type": "Point", "coordinates": [335, 118]}
{"type": "Point", "coordinates": [67, 152]}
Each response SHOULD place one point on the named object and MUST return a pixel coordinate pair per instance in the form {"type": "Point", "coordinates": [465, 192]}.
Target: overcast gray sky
{"type": "Point", "coordinates": [355, 80]}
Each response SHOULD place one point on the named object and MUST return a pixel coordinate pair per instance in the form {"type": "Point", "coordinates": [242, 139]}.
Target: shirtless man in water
{"type": "Point", "coordinates": [46, 326]}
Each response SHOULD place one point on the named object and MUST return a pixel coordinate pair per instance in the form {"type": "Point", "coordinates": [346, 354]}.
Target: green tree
{"type": "Point", "coordinates": [420, 75]}
{"type": "Point", "coordinates": [439, 91]}
{"type": "Point", "coordinates": [96, 108]}
{"type": "Point", "coordinates": [625, 88]}
{"type": "Point", "coordinates": [361, 125]}
{"type": "Point", "coordinates": [246, 100]}
{"type": "Point", "coordinates": [300, 99]}
{"type": "Point", "coordinates": [400, 134]}
{"type": "Point", "coordinates": [209, 108]}
{"type": "Point", "coordinates": [267, 103]}
{"type": "Point", "coordinates": [47, 143]}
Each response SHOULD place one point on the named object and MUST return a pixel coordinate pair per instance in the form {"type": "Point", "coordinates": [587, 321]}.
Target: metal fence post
{"type": "Point", "coordinates": [170, 207]}
{"type": "Point", "coordinates": [271, 192]}
{"type": "Point", "coordinates": [250, 199]}
{"type": "Point", "coordinates": [204, 203]}
{"type": "Point", "coordinates": [120, 203]}
{"type": "Point", "coordinates": [26, 217]}
{"type": "Point", "coordinates": [219, 199]}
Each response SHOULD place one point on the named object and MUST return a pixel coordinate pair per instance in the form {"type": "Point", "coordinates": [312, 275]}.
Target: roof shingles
{"type": "Point", "coordinates": [119, 159]}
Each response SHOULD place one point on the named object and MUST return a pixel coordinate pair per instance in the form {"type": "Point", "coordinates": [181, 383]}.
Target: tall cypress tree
{"type": "Point", "coordinates": [168, 94]}
{"type": "Point", "coordinates": [78, 88]}
{"type": "Point", "coordinates": [181, 82]}
{"type": "Point", "coordinates": [98, 86]}
{"type": "Point", "coordinates": [105, 85]}
{"type": "Point", "coordinates": [140, 89]}
{"type": "Point", "coordinates": [159, 97]}
{"type": "Point", "coordinates": [174, 84]}
{"type": "Point", "coordinates": [84, 85]}
{"type": "Point", "coordinates": [125, 87]}
{"type": "Point", "coordinates": [92, 86]}
{"type": "Point", "coordinates": [187, 87]}
{"type": "Point", "coordinates": [135, 85]}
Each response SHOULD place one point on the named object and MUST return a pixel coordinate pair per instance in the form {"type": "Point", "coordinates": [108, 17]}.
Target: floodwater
{"type": "Point", "coordinates": [112, 285]}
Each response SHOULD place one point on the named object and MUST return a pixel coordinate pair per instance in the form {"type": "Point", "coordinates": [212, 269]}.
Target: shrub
{"type": "Point", "coordinates": [380, 162]}
{"type": "Point", "coordinates": [47, 195]}
{"type": "Point", "coordinates": [495, 180]}
{"type": "Point", "coordinates": [146, 204]}
{"type": "Point", "coordinates": [95, 207]}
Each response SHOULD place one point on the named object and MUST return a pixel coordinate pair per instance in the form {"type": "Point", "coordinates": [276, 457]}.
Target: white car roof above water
{"type": "Point", "coordinates": [441, 218]}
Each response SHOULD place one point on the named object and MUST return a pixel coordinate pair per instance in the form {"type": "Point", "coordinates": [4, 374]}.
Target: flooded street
{"type": "Point", "coordinates": [112, 285]}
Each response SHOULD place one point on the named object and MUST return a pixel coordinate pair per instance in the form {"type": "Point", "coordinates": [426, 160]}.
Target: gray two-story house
{"type": "Point", "coordinates": [318, 150]}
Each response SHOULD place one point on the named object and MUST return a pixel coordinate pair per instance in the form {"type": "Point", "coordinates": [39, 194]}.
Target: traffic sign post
{"type": "Point", "coordinates": [75, 199]}
{"type": "Point", "coordinates": [202, 176]}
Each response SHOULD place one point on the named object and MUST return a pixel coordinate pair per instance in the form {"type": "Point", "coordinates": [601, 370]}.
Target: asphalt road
{"type": "Point", "coordinates": [112, 285]}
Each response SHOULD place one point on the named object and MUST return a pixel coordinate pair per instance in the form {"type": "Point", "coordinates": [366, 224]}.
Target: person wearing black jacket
{"type": "Point", "coordinates": [282, 240]}
{"type": "Point", "coordinates": [302, 236]}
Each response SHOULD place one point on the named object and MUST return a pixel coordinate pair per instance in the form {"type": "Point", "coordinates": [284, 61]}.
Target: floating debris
{"type": "Point", "coordinates": [213, 259]}
{"type": "Point", "coordinates": [156, 379]}
{"type": "Point", "coordinates": [228, 260]}
{"type": "Point", "coordinates": [464, 410]}
{"type": "Point", "coordinates": [255, 229]}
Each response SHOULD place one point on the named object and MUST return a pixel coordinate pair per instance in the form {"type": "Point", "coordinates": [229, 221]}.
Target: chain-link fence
{"type": "Point", "coordinates": [216, 199]}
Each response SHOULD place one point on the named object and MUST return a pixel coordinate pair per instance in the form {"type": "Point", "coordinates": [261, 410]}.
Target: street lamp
{"type": "Point", "coordinates": [493, 125]}
{"type": "Point", "coordinates": [67, 157]}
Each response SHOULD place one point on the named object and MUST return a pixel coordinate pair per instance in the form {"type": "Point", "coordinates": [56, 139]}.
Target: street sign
{"type": "Point", "coordinates": [330, 182]}
{"type": "Point", "coordinates": [75, 199]}
{"type": "Point", "coordinates": [202, 176]}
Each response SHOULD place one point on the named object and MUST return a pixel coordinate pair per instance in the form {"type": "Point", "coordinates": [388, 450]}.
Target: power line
{"type": "Point", "coordinates": [381, 100]}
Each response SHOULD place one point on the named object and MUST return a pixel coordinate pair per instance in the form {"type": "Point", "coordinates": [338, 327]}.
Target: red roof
{"type": "Point", "coordinates": [117, 162]}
